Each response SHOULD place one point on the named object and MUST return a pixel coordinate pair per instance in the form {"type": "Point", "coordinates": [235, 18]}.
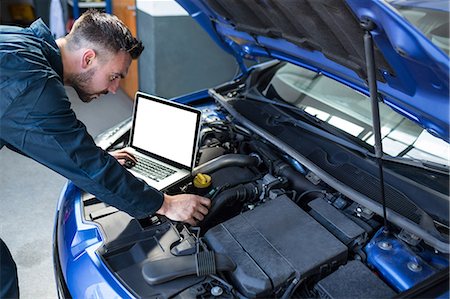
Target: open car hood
{"type": "Point", "coordinates": [326, 36]}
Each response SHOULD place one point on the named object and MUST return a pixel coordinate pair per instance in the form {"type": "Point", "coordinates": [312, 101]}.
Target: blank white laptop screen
{"type": "Point", "coordinates": [165, 130]}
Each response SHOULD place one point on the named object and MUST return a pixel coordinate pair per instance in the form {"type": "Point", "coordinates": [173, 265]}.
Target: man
{"type": "Point", "coordinates": [36, 119]}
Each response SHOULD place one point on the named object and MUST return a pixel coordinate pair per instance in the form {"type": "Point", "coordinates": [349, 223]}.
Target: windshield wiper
{"type": "Point", "coordinates": [315, 129]}
{"type": "Point", "coordinates": [318, 129]}
{"type": "Point", "coordinates": [428, 165]}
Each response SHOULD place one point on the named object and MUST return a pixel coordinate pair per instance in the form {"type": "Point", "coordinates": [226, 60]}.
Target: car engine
{"type": "Point", "coordinates": [274, 230]}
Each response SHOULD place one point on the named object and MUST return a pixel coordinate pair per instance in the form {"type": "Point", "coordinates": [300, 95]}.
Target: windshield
{"type": "Point", "coordinates": [432, 22]}
{"type": "Point", "coordinates": [350, 112]}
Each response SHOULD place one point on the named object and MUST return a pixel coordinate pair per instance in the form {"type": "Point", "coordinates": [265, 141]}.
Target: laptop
{"type": "Point", "coordinates": [164, 139]}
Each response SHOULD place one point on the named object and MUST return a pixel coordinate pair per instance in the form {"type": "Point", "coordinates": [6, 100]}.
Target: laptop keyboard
{"type": "Point", "coordinates": [152, 169]}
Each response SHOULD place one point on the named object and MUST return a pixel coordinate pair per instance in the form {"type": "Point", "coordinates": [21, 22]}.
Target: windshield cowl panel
{"type": "Point", "coordinates": [342, 117]}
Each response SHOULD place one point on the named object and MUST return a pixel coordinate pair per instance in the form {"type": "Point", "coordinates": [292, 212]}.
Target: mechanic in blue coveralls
{"type": "Point", "coordinates": [36, 119]}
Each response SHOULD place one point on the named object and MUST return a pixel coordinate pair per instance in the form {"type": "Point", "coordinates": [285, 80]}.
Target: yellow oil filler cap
{"type": "Point", "coordinates": [202, 180]}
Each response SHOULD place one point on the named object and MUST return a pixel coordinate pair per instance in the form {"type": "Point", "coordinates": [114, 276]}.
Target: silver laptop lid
{"type": "Point", "coordinates": [165, 130]}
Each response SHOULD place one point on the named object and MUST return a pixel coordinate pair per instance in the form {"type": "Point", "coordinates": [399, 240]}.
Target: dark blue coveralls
{"type": "Point", "coordinates": [36, 120]}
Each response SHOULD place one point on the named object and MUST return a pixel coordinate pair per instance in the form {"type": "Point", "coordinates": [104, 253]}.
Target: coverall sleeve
{"type": "Point", "coordinates": [41, 124]}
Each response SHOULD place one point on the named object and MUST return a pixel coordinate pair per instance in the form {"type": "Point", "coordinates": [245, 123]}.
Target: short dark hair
{"type": "Point", "coordinates": [104, 32]}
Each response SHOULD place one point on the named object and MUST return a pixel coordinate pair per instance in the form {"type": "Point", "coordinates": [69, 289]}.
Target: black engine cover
{"type": "Point", "coordinates": [272, 243]}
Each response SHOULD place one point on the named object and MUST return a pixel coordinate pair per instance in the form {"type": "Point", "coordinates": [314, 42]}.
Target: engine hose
{"type": "Point", "coordinates": [226, 161]}
{"type": "Point", "coordinates": [240, 193]}
{"type": "Point", "coordinates": [296, 180]}
{"type": "Point", "coordinates": [292, 286]}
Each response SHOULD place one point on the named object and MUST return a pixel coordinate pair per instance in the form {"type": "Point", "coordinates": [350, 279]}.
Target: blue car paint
{"type": "Point", "coordinates": [421, 68]}
{"type": "Point", "coordinates": [78, 250]}
{"type": "Point", "coordinates": [398, 265]}
{"type": "Point", "coordinates": [78, 242]}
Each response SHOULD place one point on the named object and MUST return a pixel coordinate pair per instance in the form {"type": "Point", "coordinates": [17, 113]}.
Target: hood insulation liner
{"type": "Point", "coordinates": [328, 26]}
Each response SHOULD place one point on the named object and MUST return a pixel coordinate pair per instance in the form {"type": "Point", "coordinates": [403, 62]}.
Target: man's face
{"type": "Point", "coordinates": [101, 77]}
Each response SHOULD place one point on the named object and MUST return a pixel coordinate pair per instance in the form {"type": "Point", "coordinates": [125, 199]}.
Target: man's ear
{"type": "Point", "coordinates": [87, 58]}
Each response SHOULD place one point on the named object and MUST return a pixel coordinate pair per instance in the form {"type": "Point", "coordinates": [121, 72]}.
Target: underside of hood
{"type": "Point", "coordinates": [326, 36]}
{"type": "Point", "coordinates": [329, 27]}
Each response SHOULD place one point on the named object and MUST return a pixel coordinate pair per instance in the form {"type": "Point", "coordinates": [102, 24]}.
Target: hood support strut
{"type": "Point", "coordinates": [369, 25]}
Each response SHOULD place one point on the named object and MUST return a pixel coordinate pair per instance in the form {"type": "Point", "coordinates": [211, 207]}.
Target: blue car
{"type": "Point", "coordinates": [326, 161]}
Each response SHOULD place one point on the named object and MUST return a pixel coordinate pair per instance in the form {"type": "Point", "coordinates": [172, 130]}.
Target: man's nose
{"type": "Point", "coordinates": [114, 86]}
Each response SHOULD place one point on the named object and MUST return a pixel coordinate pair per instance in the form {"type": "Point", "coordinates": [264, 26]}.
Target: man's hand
{"type": "Point", "coordinates": [122, 156]}
{"type": "Point", "coordinates": [188, 208]}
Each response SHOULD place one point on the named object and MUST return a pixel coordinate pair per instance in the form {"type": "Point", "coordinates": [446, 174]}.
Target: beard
{"type": "Point", "coordinates": [80, 82]}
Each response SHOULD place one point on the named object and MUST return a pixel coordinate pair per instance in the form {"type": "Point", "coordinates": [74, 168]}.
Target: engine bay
{"type": "Point", "coordinates": [274, 229]}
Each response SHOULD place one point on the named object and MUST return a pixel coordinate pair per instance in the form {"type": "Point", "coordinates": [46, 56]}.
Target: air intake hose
{"type": "Point", "coordinates": [296, 180]}
{"type": "Point", "coordinates": [240, 193]}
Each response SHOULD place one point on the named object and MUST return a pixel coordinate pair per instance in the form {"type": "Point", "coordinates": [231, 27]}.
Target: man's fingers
{"type": "Point", "coordinates": [202, 210]}
{"type": "Point", "coordinates": [122, 154]}
{"type": "Point", "coordinates": [126, 156]}
{"type": "Point", "coordinates": [187, 208]}
{"type": "Point", "coordinates": [191, 221]}
{"type": "Point", "coordinates": [131, 157]}
{"type": "Point", "coordinates": [198, 216]}
{"type": "Point", "coordinates": [205, 201]}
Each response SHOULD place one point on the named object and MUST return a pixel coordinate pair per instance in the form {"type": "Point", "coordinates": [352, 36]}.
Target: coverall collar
{"type": "Point", "coordinates": [49, 47]}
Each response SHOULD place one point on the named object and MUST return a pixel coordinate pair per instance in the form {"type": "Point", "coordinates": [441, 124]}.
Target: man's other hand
{"type": "Point", "coordinates": [123, 156]}
{"type": "Point", "coordinates": [188, 208]}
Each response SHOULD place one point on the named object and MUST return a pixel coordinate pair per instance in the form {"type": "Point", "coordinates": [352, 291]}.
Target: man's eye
{"type": "Point", "coordinates": [113, 77]}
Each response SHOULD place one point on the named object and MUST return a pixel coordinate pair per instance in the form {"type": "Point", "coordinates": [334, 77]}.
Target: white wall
{"type": "Point", "coordinates": [160, 8]}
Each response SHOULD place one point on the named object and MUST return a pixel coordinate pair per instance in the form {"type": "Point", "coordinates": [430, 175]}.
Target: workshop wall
{"type": "Point", "coordinates": [179, 55]}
